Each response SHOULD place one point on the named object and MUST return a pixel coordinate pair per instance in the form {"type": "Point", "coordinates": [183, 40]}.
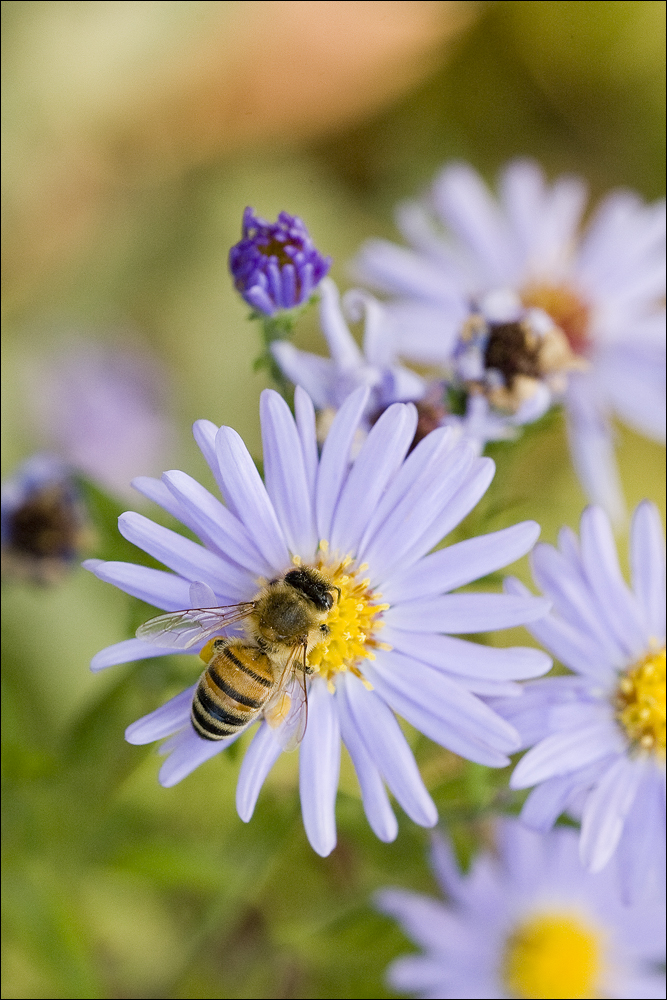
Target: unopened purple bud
{"type": "Point", "coordinates": [276, 265]}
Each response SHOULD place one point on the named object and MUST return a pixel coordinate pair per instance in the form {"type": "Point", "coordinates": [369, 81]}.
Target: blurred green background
{"type": "Point", "coordinates": [134, 135]}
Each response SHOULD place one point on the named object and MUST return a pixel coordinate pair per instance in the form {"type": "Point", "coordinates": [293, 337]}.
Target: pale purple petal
{"type": "Point", "coordinates": [469, 659]}
{"type": "Point", "coordinates": [205, 432]}
{"type": "Point", "coordinates": [574, 599]}
{"type": "Point", "coordinates": [647, 555]}
{"type": "Point", "coordinates": [164, 721]}
{"type": "Point", "coordinates": [375, 799]}
{"type": "Point", "coordinates": [335, 459]}
{"type": "Point", "coordinates": [314, 375]}
{"type": "Point", "coordinates": [575, 649]}
{"type": "Point", "coordinates": [400, 697]}
{"type": "Point", "coordinates": [465, 204]}
{"type": "Point", "coordinates": [605, 811]}
{"type": "Point", "coordinates": [548, 800]}
{"type": "Point", "coordinates": [285, 475]}
{"type": "Point", "coordinates": [394, 269]}
{"type": "Point", "coordinates": [460, 564]}
{"type": "Point", "coordinates": [304, 412]}
{"type": "Point", "coordinates": [185, 557]}
{"type": "Point", "coordinates": [408, 527]}
{"type": "Point", "coordinates": [246, 495]}
{"type": "Point", "coordinates": [342, 345]}
{"type": "Point", "coordinates": [125, 652]}
{"type": "Point", "coordinates": [633, 379]}
{"type": "Point", "coordinates": [466, 613]}
{"type": "Point", "coordinates": [158, 491]}
{"type": "Point", "coordinates": [592, 448]}
{"type": "Point", "coordinates": [564, 752]}
{"type": "Point", "coordinates": [186, 752]}
{"type": "Point", "coordinates": [259, 758]}
{"type": "Point", "coordinates": [447, 700]}
{"type": "Point", "coordinates": [214, 521]}
{"type": "Point", "coordinates": [618, 605]}
{"type": "Point", "coordinates": [425, 920]}
{"type": "Point", "coordinates": [154, 586]}
{"type": "Point", "coordinates": [319, 769]}
{"type": "Point", "coordinates": [389, 750]}
{"type": "Point", "coordinates": [377, 462]}
{"type": "Point", "coordinates": [641, 848]}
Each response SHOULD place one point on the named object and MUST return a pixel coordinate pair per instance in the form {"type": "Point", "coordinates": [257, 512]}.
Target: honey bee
{"type": "Point", "coordinates": [263, 673]}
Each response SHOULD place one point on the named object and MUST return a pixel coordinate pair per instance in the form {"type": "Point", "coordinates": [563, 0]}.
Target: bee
{"type": "Point", "coordinates": [263, 673]}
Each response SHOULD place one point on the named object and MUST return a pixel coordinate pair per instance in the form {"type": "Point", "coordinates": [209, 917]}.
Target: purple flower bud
{"type": "Point", "coordinates": [276, 265]}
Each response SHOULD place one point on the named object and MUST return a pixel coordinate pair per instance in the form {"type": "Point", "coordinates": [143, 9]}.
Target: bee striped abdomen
{"type": "Point", "coordinates": [232, 691]}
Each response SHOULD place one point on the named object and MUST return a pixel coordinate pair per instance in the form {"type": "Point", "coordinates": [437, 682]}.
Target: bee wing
{"type": "Point", "coordinates": [288, 715]}
{"type": "Point", "coordinates": [183, 629]}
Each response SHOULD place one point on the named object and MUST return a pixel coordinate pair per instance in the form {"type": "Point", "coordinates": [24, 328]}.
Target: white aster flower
{"type": "Point", "coordinates": [526, 923]}
{"type": "Point", "coordinates": [368, 525]}
{"type": "Point", "coordinates": [598, 737]}
{"type": "Point", "coordinates": [603, 288]}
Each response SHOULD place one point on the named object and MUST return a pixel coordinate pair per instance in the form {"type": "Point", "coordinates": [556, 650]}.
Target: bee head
{"type": "Point", "coordinates": [313, 586]}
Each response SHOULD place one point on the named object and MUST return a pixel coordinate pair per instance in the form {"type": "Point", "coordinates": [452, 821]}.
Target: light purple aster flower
{"type": "Point", "coordinates": [329, 381]}
{"type": "Point", "coordinates": [367, 524]}
{"type": "Point", "coordinates": [276, 265]}
{"type": "Point", "coordinates": [598, 736]}
{"type": "Point", "coordinates": [527, 922]}
{"type": "Point", "coordinates": [103, 408]}
{"type": "Point", "coordinates": [44, 521]}
{"type": "Point", "coordinates": [604, 289]}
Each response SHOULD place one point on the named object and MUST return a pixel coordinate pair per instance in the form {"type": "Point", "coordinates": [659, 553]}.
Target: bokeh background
{"type": "Point", "coordinates": [134, 135]}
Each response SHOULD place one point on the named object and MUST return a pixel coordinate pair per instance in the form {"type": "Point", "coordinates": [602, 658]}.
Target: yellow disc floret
{"type": "Point", "coordinates": [353, 620]}
{"type": "Point", "coordinates": [553, 955]}
{"type": "Point", "coordinates": [640, 703]}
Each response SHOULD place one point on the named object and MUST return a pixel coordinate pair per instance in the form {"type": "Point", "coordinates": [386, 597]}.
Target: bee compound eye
{"type": "Point", "coordinates": [328, 600]}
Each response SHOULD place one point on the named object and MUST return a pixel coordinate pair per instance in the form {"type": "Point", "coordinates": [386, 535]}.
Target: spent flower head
{"type": "Point", "coordinates": [44, 521]}
{"type": "Point", "coordinates": [598, 736]}
{"type": "Point", "coordinates": [364, 526]}
{"type": "Point", "coordinates": [527, 922]}
{"type": "Point", "coordinates": [603, 290]}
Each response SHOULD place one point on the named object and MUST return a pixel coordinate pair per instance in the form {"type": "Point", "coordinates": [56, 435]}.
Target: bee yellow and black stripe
{"type": "Point", "coordinates": [232, 690]}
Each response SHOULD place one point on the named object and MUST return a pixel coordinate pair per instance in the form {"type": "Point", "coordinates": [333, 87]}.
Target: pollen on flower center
{"type": "Point", "coordinates": [640, 703]}
{"type": "Point", "coordinates": [353, 620]}
{"type": "Point", "coordinates": [567, 310]}
{"type": "Point", "coordinates": [553, 955]}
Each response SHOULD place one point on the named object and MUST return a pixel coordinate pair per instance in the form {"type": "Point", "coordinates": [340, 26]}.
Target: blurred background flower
{"type": "Point", "coordinates": [526, 921]}
{"type": "Point", "coordinates": [134, 136]}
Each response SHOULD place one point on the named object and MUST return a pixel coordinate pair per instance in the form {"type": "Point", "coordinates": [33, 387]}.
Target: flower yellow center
{"type": "Point", "coordinates": [640, 703]}
{"type": "Point", "coordinates": [566, 308]}
{"type": "Point", "coordinates": [353, 620]}
{"type": "Point", "coordinates": [553, 955]}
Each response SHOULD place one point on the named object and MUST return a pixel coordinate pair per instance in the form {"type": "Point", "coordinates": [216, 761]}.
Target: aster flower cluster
{"type": "Point", "coordinates": [320, 601]}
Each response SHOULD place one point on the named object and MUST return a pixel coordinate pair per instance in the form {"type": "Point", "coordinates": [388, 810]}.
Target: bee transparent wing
{"type": "Point", "coordinates": [287, 712]}
{"type": "Point", "coordinates": [183, 629]}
